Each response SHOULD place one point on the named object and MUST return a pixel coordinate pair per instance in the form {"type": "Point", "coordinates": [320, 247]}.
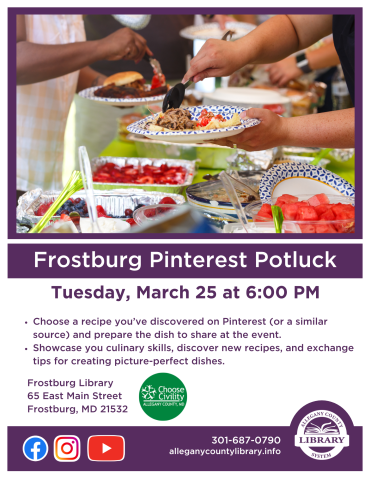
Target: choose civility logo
{"type": "Point", "coordinates": [163, 396]}
{"type": "Point", "coordinates": [321, 435]}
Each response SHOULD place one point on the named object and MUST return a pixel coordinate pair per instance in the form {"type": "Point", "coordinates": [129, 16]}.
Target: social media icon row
{"type": "Point", "coordinates": [67, 448]}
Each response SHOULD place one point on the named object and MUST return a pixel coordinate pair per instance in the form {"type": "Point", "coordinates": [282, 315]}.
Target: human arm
{"type": "Point", "coordinates": [326, 130]}
{"type": "Point", "coordinates": [275, 39]}
{"type": "Point", "coordinates": [89, 78]}
{"type": "Point", "coordinates": [282, 72]}
{"type": "Point", "coordinates": [247, 18]}
{"type": "Point", "coordinates": [39, 62]}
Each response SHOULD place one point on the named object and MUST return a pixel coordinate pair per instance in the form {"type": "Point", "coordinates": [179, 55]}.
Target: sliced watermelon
{"type": "Point", "coordinates": [290, 210]}
{"type": "Point", "coordinates": [320, 199]}
{"type": "Point", "coordinates": [320, 209]}
{"type": "Point", "coordinates": [265, 211]}
{"type": "Point", "coordinates": [308, 228]}
{"type": "Point", "coordinates": [306, 213]}
{"type": "Point", "coordinates": [325, 228]}
{"type": "Point", "coordinates": [328, 215]}
{"type": "Point", "coordinates": [287, 199]}
{"type": "Point", "coordinates": [344, 215]}
{"type": "Point", "coordinates": [280, 203]}
{"type": "Point", "coordinates": [341, 208]}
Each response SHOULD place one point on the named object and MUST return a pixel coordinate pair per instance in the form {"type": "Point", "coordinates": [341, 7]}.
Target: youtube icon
{"type": "Point", "coordinates": [106, 448]}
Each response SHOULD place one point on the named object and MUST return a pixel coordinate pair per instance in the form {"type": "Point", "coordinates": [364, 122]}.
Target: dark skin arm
{"type": "Point", "coordinates": [37, 63]}
{"type": "Point", "coordinates": [89, 78]}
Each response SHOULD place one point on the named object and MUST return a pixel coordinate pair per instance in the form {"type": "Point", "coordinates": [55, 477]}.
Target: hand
{"type": "Point", "coordinates": [282, 72]}
{"type": "Point", "coordinates": [126, 45]}
{"type": "Point", "coordinates": [216, 58]}
{"type": "Point", "coordinates": [271, 132]}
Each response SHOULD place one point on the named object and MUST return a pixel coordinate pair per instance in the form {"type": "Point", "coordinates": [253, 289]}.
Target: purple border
{"type": "Point", "coordinates": [12, 12]}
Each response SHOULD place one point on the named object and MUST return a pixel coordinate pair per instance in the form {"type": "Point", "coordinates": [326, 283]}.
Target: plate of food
{"type": "Point", "coordinates": [296, 178]}
{"type": "Point", "coordinates": [194, 124]}
{"type": "Point", "coordinates": [212, 30]}
{"type": "Point", "coordinates": [128, 89]}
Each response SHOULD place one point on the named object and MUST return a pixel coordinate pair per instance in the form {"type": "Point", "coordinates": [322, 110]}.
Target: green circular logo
{"type": "Point", "coordinates": [163, 396]}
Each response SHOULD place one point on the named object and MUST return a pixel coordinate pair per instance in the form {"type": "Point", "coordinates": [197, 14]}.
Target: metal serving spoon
{"type": "Point", "coordinates": [175, 96]}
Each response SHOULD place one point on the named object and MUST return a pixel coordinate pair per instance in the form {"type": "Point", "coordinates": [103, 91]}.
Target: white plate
{"type": "Point", "coordinates": [212, 30]}
{"type": "Point", "coordinates": [88, 93]}
{"type": "Point", "coordinates": [246, 97]}
{"type": "Point", "coordinates": [299, 178]}
{"type": "Point", "coordinates": [196, 136]}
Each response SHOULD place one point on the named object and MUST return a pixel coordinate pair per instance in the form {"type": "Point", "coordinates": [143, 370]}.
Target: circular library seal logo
{"type": "Point", "coordinates": [321, 435]}
{"type": "Point", "coordinates": [163, 396]}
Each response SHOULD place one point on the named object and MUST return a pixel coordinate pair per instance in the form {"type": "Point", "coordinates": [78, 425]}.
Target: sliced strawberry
{"type": "Point", "coordinates": [167, 201]}
{"type": "Point", "coordinates": [146, 179]}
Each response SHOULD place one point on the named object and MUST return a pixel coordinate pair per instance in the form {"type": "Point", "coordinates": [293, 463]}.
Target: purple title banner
{"type": "Point", "coordinates": [184, 261]}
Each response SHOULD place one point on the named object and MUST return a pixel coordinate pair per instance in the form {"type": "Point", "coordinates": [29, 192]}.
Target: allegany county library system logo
{"type": "Point", "coordinates": [322, 435]}
{"type": "Point", "coordinates": [163, 396]}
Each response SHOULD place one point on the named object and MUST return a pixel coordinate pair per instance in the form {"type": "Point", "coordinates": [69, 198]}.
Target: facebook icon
{"type": "Point", "coordinates": [35, 448]}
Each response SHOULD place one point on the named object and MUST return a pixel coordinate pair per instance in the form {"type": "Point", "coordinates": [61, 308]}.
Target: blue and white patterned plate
{"type": "Point", "coordinates": [196, 136]}
{"type": "Point", "coordinates": [300, 178]}
{"type": "Point", "coordinates": [88, 93]}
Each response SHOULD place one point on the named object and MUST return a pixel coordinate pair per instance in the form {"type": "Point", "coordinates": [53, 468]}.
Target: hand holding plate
{"type": "Point", "coordinates": [271, 132]}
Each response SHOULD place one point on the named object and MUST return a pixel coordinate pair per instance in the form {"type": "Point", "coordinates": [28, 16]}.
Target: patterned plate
{"type": "Point", "coordinates": [120, 102]}
{"type": "Point", "coordinates": [196, 136]}
{"type": "Point", "coordinates": [299, 178]}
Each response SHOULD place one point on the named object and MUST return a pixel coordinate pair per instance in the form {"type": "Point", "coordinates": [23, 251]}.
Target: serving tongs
{"type": "Point", "coordinates": [228, 183]}
{"type": "Point", "coordinates": [175, 96]}
{"type": "Point", "coordinates": [87, 179]}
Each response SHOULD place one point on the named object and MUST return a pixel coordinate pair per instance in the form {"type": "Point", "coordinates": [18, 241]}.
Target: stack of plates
{"type": "Point", "coordinates": [246, 97]}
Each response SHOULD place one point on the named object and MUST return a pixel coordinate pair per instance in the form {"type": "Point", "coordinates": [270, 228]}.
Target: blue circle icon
{"type": "Point", "coordinates": [35, 448]}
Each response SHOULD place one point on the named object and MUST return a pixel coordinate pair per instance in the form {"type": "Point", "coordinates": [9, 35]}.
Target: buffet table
{"type": "Point", "coordinates": [118, 148]}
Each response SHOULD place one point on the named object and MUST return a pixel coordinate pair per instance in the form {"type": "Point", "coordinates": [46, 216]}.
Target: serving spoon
{"type": "Point", "coordinates": [75, 218]}
{"type": "Point", "coordinates": [89, 189]}
{"type": "Point", "coordinates": [175, 96]}
{"type": "Point", "coordinates": [233, 196]}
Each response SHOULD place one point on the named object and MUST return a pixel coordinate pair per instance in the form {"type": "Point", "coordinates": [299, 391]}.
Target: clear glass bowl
{"type": "Point", "coordinates": [314, 226]}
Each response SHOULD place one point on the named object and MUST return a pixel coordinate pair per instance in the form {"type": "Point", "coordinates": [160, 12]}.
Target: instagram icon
{"type": "Point", "coordinates": [67, 448]}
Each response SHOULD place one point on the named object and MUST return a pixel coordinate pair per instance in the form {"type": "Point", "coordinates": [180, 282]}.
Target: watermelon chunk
{"type": "Point", "coordinates": [290, 210]}
{"type": "Point", "coordinates": [307, 213]}
{"type": "Point", "coordinates": [280, 203]}
{"type": "Point", "coordinates": [320, 199]}
{"type": "Point", "coordinates": [265, 211]}
{"type": "Point", "coordinates": [344, 216]}
{"type": "Point", "coordinates": [340, 209]}
{"type": "Point", "coordinates": [308, 228]}
{"type": "Point", "coordinates": [328, 215]}
{"type": "Point", "coordinates": [287, 199]}
{"type": "Point", "coordinates": [320, 209]}
{"type": "Point", "coordinates": [325, 228]}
